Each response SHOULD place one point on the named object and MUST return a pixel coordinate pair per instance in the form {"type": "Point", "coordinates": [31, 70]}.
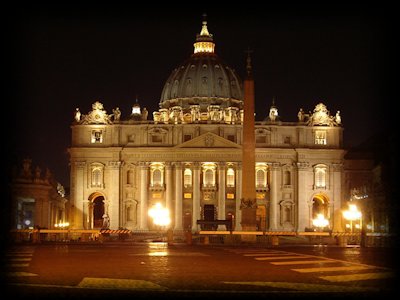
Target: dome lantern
{"type": "Point", "coordinates": [204, 41]}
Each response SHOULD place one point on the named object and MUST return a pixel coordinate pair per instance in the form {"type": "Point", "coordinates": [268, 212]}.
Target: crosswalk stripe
{"type": "Point", "coordinates": [356, 277]}
{"type": "Point", "coordinates": [18, 265]}
{"type": "Point", "coordinates": [328, 269]}
{"type": "Point", "coordinates": [20, 259]}
{"type": "Point", "coordinates": [21, 274]}
{"type": "Point", "coordinates": [112, 283]}
{"type": "Point", "coordinates": [307, 287]}
{"type": "Point", "coordinates": [281, 257]}
{"type": "Point", "coordinates": [19, 254]}
{"type": "Point", "coordinates": [266, 254]}
{"type": "Point", "coordinates": [301, 262]}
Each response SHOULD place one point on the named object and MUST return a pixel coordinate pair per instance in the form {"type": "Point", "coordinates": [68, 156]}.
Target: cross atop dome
{"type": "Point", "coordinates": [204, 41]}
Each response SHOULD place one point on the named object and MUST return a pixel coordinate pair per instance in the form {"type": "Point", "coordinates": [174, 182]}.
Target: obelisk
{"type": "Point", "coordinates": [248, 201]}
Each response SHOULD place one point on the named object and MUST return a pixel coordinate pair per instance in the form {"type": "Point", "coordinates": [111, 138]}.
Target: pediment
{"type": "Point", "coordinates": [209, 140]}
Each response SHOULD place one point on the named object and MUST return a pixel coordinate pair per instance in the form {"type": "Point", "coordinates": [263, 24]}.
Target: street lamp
{"type": "Point", "coordinates": [352, 214]}
{"type": "Point", "coordinates": [320, 222]}
{"type": "Point", "coordinates": [160, 215]}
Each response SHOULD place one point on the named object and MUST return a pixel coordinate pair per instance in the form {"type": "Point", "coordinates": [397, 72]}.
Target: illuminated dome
{"type": "Point", "coordinates": [204, 79]}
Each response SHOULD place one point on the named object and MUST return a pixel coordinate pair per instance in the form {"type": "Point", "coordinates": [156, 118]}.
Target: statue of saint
{"type": "Point", "coordinates": [106, 221]}
{"type": "Point", "coordinates": [117, 114]}
{"type": "Point", "coordinates": [338, 119]}
{"type": "Point", "coordinates": [145, 113]}
{"type": "Point", "coordinates": [300, 115]}
{"type": "Point", "coordinates": [77, 115]}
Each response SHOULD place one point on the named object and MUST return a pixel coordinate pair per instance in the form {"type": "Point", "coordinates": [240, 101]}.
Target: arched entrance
{"type": "Point", "coordinates": [97, 210]}
{"type": "Point", "coordinates": [320, 205]}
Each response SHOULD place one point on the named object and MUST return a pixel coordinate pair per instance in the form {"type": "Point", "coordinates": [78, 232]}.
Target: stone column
{"type": "Point", "coordinates": [196, 196]}
{"type": "Point", "coordinates": [238, 216]}
{"type": "Point", "coordinates": [169, 191]}
{"type": "Point", "coordinates": [273, 206]}
{"type": "Point", "coordinates": [144, 185]}
{"type": "Point", "coordinates": [178, 196]}
{"type": "Point", "coordinates": [336, 202]}
{"type": "Point", "coordinates": [113, 199]}
{"type": "Point", "coordinates": [221, 194]}
{"type": "Point", "coordinates": [303, 203]}
{"type": "Point", "coordinates": [80, 211]}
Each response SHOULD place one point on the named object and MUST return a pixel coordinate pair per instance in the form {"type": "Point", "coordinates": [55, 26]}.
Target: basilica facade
{"type": "Point", "coordinates": [187, 157]}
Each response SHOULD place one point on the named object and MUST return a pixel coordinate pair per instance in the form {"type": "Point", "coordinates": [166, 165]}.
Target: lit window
{"type": "Point", "coordinates": [156, 175]}
{"type": "Point", "coordinates": [209, 171]}
{"type": "Point", "coordinates": [230, 177]}
{"type": "Point", "coordinates": [320, 176]}
{"type": "Point", "coordinates": [261, 178]}
{"type": "Point", "coordinates": [320, 137]}
{"type": "Point", "coordinates": [187, 177]}
{"type": "Point", "coordinates": [97, 136]}
{"type": "Point", "coordinates": [97, 177]}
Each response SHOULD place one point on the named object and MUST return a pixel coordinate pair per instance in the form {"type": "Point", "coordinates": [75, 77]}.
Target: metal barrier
{"type": "Point", "coordinates": [218, 237]}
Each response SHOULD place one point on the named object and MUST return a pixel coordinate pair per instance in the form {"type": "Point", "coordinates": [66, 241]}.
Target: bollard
{"type": "Point", "coordinates": [342, 241]}
{"type": "Point", "coordinates": [275, 240]}
{"type": "Point", "coordinates": [189, 237]}
{"type": "Point", "coordinates": [170, 236]}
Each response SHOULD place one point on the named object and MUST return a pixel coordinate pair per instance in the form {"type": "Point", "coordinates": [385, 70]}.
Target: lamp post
{"type": "Point", "coordinates": [62, 226]}
{"type": "Point", "coordinates": [351, 215]}
{"type": "Point", "coordinates": [160, 215]}
{"type": "Point", "coordinates": [320, 222]}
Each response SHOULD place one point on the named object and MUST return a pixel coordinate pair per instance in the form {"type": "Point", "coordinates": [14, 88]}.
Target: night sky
{"type": "Point", "coordinates": [61, 59]}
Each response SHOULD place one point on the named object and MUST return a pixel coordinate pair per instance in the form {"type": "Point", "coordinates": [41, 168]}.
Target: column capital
{"type": "Point", "coordinates": [80, 164]}
{"type": "Point", "coordinates": [221, 165]}
{"type": "Point", "coordinates": [337, 167]}
{"type": "Point", "coordinates": [168, 165]}
{"type": "Point", "coordinates": [114, 164]}
{"type": "Point", "coordinates": [143, 164]}
{"type": "Point", "coordinates": [302, 165]}
{"type": "Point", "coordinates": [178, 165]}
{"type": "Point", "coordinates": [196, 165]}
{"type": "Point", "coordinates": [274, 166]}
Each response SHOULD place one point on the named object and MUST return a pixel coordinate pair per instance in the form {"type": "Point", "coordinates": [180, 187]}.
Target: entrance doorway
{"type": "Point", "coordinates": [320, 206]}
{"type": "Point", "coordinates": [98, 211]}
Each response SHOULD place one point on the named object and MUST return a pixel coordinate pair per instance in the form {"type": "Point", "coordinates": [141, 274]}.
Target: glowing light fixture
{"type": "Point", "coordinates": [320, 221]}
{"type": "Point", "coordinates": [160, 215]}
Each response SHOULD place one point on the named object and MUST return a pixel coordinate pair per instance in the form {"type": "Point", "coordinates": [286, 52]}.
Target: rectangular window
{"type": "Point", "coordinates": [320, 137]}
{"type": "Point", "coordinates": [156, 138]}
{"type": "Point", "coordinates": [286, 140]}
{"type": "Point", "coordinates": [231, 138]}
{"type": "Point", "coordinates": [97, 136]}
{"type": "Point", "coordinates": [230, 196]}
{"type": "Point", "coordinates": [187, 137]}
{"type": "Point", "coordinates": [261, 139]}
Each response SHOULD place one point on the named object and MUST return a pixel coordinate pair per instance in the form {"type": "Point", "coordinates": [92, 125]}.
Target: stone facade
{"type": "Point", "coordinates": [189, 158]}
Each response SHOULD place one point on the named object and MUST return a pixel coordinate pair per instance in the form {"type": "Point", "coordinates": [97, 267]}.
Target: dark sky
{"type": "Point", "coordinates": [61, 59]}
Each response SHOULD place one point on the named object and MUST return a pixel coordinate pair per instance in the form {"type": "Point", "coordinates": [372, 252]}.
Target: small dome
{"type": "Point", "coordinates": [204, 79]}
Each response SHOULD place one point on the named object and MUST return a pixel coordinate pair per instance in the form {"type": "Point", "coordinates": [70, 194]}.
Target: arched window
{"type": "Point", "coordinates": [209, 173]}
{"type": "Point", "coordinates": [261, 178]}
{"type": "Point", "coordinates": [320, 176]}
{"type": "Point", "coordinates": [187, 177]}
{"type": "Point", "coordinates": [157, 177]}
{"type": "Point", "coordinates": [97, 176]}
{"type": "Point", "coordinates": [230, 177]}
{"type": "Point", "coordinates": [209, 177]}
{"type": "Point", "coordinates": [286, 177]}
